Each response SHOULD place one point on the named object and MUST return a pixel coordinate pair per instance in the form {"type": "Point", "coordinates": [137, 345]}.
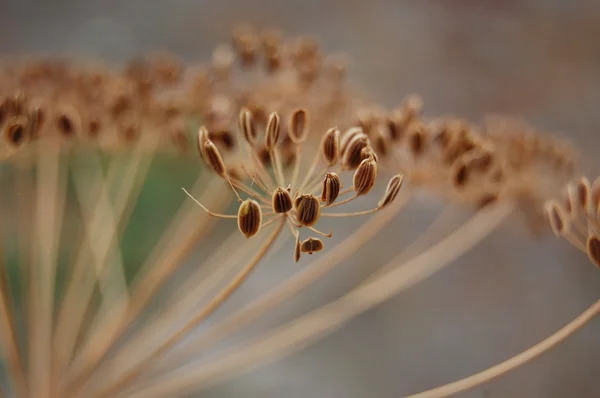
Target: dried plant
{"type": "Point", "coordinates": [78, 144]}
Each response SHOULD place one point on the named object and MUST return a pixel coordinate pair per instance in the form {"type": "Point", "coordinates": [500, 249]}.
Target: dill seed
{"type": "Point", "coordinates": [593, 250]}
{"type": "Point", "coordinates": [460, 175]}
{"type": "Point", "coordinates": [298, 126]}
{"type": "Point", "coordinates": [308, 210]}
{"type": "Point", "coordinates": [272, 131]}
{"type": "Point", "coordinates": [365, 176]}
{"type": "Point", "coordinates": [246, 126]}
{"type": "Point", "coordinates": [15, 130]}
{"type": "Point", "coordinates": [331, 188]}
{"type": "Point", "coordinates": [330, 146]}
{"type": "Point", "coordinates": [391, 191]}
{"type": "Point", "coordinates": [249, 218]}
{"type": "Point", "coordinates": [417, 139]}
{"type": "Point", "coordinates": [583, 193]}
{"type": "Point", "coordinates": [297, 251]}
{"type": "Point", "coordinates": [348, 137]}
{"type": "Point", "coordinates": [213, 158]}
{"type": "Point", "coordinates": [556, 218]}
{"type": "Point", "coordinates": [311, 245]}
{"type": "Point", "coordinates": [353, 154]}
{"type": "Point", "coordinates": [282, 201]}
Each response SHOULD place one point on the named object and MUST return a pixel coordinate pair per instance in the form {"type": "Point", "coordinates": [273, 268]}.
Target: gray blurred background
{"type": "Point", "coordinates": [540, 59]}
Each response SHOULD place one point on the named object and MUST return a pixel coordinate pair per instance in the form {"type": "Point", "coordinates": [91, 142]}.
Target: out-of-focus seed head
{"type": "Point", "coordinates": [557, 218]}
{"type": "Point", "coordinates": [331, 188]}
{"type": "Point", "coordinates": [593, 250]}
{"type": "Point", "coordinates": [16, 131]}
{"type": "Point", "coordinates": [412, 105]}
{"type": "Point", "coordinates": [311, 245]}
{"type": "Point", "coordinates": [308, 210]}
{"type": "Point", "coordinates": [246, 126]}
{"type": "Point", "coordinates": [391, 191]}
{"type": "Point", "coordinates": [282, 201]}
{"type": "Point", "coordinates": [583, 193]}
{"type": "Point", "coordinates": [365, 176]}
{"type": "Point", "coordinates": [417, 139]}
{"type": "Point", "coordinates": [353, 153]}
{"type": "Point", "coordinates": [272, 131]}
{"type": "Point", "coordinates": [298, 126]}
{"type": "Point", "coordinates": [68, 121]}
{"type": "Point", "coordinates": [249, 218]}
{"type": "Point", "coordinates": [330, 146]}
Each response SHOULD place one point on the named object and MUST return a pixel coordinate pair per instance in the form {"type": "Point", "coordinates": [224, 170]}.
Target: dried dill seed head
{"type": "Point", "coordinates": [298, 126]}
{"type": "Point", "coordinates": [213, 158]}
{"type": "Point", "coordinates": [331, 188]}
{"type": "Point", "coordinates": [282, 201]}
{"type": "Point", "coordinates": [365, 176]}
{"type": "Point", "coordinates": [249, 218]}
{"type": "Point", "coordinates": [308, 210]}
{"type": "Point", "coordinates": [68, 121]}
{"type": "Point", "coordinates": [391, 191]}
{"type": "Point", "coordinates": [330, 146]}
{"type": "Point", "coordinates": [16, 131]}
{"type": "Point", "coordinates": [417, 139]}
{"type": "Point", "coordinates": [311, 245]}
{"type": "Point", "coordinates": [272, 131]}
{"type": "Point", "coordinates": [593, 250]}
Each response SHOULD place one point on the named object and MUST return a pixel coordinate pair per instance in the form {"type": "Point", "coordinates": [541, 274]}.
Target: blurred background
{"type": "Point", "coordinates": [536, 58]}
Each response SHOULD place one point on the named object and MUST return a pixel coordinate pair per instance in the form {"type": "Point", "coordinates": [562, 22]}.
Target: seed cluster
{"type": "Point", "coordinates": [163, 96]}
{"type": "Point", "coordinates": [281, 194]}
{"type": "Point", "coordinates": [576, 216]}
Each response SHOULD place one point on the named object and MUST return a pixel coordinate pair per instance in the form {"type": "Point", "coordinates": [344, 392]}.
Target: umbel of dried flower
{"type": "Point", "coordinates": [280, 193]}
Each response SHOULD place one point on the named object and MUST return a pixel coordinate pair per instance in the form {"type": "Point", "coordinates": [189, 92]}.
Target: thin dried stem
{"type": "Point", "coordinates": [82, 281]}
{"type": "Point", "coordinates": [210, 213]}
{"type": "Point", "coordinates": [8, 332]}
{"type": "Point", "coordinates": [50, 201]}
{"type": "Point", "coordinates": [215, 303]}
{"type": "Point", "coordinates": [292, 286]}
{"type": "Point", "coordinates": [174, 245]}
{"type": "Point", "coordinates": [513, 363]}
{"type": "Point", "coordinates": [295, 335]}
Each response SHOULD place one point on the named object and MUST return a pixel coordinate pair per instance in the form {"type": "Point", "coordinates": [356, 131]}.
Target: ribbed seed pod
{"type": "Point", "coordinates": [311, 245]}
{"type": "Point", "coordinates": [391, 191]}
{"type": "Point", "coordinates": [213, 158]}
{"type": "Point", "coordinates": [298, 126]}
{"type": "Point", "coordinates": [593, 250]}
{"type": "Point", "coordinates": [308, 210]}
{"type": "Point", "coordinates": [348, 136]}
{"type": "Point", "coordinates": [16, 131]}
{"type": "Point", "coordinates": [246, 126]}
{"type": "Point", "coordinates": [249, 218]}
{"type": "Point", "coordinates": [365, 176]}
{"type": "Point", "coordinates": [353, 153]}
{"type": "Point", "coordinates": [331, 188]}
{"type": "Point", "coordinates": [330, 146]}
{"type": "Point", "coordinates": [282, 201]}
{"type": "Point", "coordinates": [272, 131]}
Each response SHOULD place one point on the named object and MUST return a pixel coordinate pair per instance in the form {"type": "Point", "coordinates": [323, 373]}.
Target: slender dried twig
{"type": "Point", "coordinates": [208, 309]}
{"type": "Point", "coordinates": [297, 334]}
{"type": "Point", "coordinates": [50, 200]}
{"type": "Point", "coordinates": [518, 360]}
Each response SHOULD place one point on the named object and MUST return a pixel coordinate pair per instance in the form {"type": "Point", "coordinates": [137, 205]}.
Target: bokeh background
{"type": "Point", "coordinates": [536, 58]}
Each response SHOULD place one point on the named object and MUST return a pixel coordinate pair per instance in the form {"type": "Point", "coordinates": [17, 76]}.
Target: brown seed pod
{"type": "Point", "coordinates": [556, 217]}
{"type": "Point", "coordinates": [330, 146]}
{"type": "Point", "coordinates": [298, 126]}
{"type": "Point", "coordinates": [246, 126]}
{"type": "Point", "coordinates": [311, 245]}
{"type": "Point", "coordinates": [297, 251]}
{"type": "Point", "coordinates": [16, 131]}
{"type": "Point", "coordinates": [272, 131]}
{"type": "Point", "coordinates": [348, 136]}
{"type": "Point", "coordinates": [593, 250]}
{"type": "Point", "coordinates": [391, 191]}
{"type": "Point", "coordinates": [460, 174]}
{"type": "Point", "coordinates": [331, 188]}
{"type": "Point", "coordinates": [308, 210]}
{"type": "Point", "coordinates": [417, 139]}
{"type": "Point", "coordinates": [282, 201]}
{"type": "Point", "coordinates": [213, 158]}
{"type": "Point", "coordinates": [583, 193]}
{"type": "Point", "coordinates": [353, 154]}
{"type": "Point", "coordinates": [68, 121]}
{"type": "Point", "coordinates": [249, 218]}
{"type": "Point", "coordinates": [365, 176]}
